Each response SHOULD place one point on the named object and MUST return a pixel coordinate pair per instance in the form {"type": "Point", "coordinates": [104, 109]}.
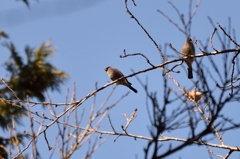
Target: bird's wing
{"type": "Point", "coordinates": [119, 72]}
{"type": "Point", "coordinates": [121, 75]}
{"type": "Point", "coordinates": [128, 82]}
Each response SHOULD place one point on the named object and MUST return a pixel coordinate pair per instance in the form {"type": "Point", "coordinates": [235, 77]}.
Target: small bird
{"type": "Point", "coordinates": [115, 74]}
{"type": "Point", "coordinates": [188, 49]}
{"type": "Point", "coordinates": [195, 95]}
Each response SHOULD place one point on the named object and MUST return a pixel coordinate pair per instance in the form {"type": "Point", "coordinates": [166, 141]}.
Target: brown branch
{"type": "Point", "coordinates": [135, 54]}
{"type": "Point", "coordinates": [215, 29]}
{"type": "Point", "coordinates": [228, 35]}
{"type": "Point", "coordinates": [14, 94]}
{"type": "Point", "coordinates": [45, 137]}
{"type": "Point", "coordinates": [150, 37]}
{"type": "Point", "coordinates": [129, 120]}
{"type": "Point", "coordinates": [232, 73]}
{"type": "Point", "coordinates": [111, 123]}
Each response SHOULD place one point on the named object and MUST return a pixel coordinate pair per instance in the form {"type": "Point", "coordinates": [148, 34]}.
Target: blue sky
{"type": "Point", "coordinates": [91, 35]}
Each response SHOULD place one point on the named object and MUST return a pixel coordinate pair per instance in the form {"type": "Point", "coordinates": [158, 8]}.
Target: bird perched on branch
{"type": "Point", "coordinates": [195, 95]}
{"type": "Point", "coordinates": [188, 49]}
{"type": "Point", "coordinates": [115, 74]}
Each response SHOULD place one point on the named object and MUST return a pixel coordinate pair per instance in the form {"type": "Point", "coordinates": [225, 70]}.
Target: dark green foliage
{"type": "Point", "coordinates": [28, 76]}
{"type": "Point", "coordinates": [36, 75]}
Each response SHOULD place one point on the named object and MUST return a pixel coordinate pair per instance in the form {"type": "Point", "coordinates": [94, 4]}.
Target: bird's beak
{"type": "Point", "coordinates": [106, 69]}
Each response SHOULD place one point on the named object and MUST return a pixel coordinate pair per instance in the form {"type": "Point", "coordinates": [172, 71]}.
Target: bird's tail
{"type": "Point", "coordinates": [133, 89]}
{"type": "Point", "coordinates": [190, 75]}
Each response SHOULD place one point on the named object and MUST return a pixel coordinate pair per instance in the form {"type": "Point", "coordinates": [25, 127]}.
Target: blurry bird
{"type": "Point", "coordinates": [115, 74]}
{"type": "Point", "coordinates": [188, 49]}
{"type": "Point", "coordinates": [195, 95]}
